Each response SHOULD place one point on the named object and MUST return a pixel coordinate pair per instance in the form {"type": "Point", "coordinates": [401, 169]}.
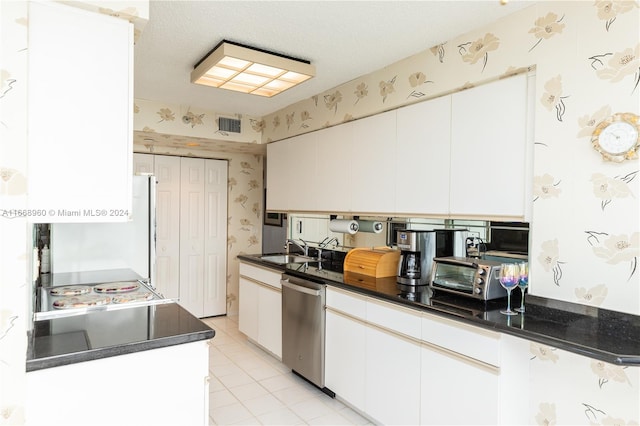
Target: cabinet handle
{"type": "Point", "coordinates": [461, 357]}
{"type": "Point", "coordinates": [260, 283]}
{"type": "Point", "coordinates": [426, 345]}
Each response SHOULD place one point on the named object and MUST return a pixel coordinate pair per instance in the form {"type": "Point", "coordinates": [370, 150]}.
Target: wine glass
{"type": "Point", "coordinates": [523, 283]}
{"type": "Point", "coordinates": [509, 278]}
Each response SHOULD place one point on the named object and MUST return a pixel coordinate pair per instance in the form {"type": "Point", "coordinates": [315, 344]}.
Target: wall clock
{"type": "Point", "coordinates": [618, 137]}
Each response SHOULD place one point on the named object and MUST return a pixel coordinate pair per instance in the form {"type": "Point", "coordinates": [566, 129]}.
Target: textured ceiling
{"type": "Point", "coordinates": [343, 39]}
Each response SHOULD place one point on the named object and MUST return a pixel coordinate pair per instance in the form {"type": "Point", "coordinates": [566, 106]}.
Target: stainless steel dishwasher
{"type": "Point", "coordinates": [303, 328]}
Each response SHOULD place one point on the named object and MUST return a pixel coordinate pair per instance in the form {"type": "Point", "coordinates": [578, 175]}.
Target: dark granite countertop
{"type": "Point", "coordinates": [601, 334]}
{"type": "Point", "coordinates": [102, 334]}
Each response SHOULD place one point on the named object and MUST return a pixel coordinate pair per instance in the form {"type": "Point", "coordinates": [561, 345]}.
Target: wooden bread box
{"type": "Point", "coordinates": [376, 262]}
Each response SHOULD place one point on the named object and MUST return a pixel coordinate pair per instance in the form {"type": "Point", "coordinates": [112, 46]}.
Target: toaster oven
{"type": "Point", "coordinates": [476, 278]}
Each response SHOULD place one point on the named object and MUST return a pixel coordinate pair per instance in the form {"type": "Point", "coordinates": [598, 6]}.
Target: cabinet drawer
{"type": "Point", "coordinates": [473, 342]}
{"type": "Point", "coordinates": [264, 275]}
{"type": "Point", "coordinates": [394, 318]}
{"type": "Point", "coordinates": [343, 301]}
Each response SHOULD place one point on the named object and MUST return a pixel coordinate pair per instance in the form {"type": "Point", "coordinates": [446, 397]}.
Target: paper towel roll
{"type": "Point", "coordinates": [370, 226]}
{"type": "Point", "coordinates": [344, 226]}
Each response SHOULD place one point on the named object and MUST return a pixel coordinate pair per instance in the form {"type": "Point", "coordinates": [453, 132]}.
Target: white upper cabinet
{"type": "Point", "coordinates": [489, 149]}
{"type": "Point", "coordinates": [466, 155]}
{"type": "Point", "coordinates": [80, 104]}
{"type": "Point", "coordinates": [423, 157]}
{"type": "Point", "coordinates": [332, 191]}
{"type": "Point", "coordinates": [277, 176]}
{"type": "Point", "coordinates": [373, 157]}
{"type": "Point", "coordinates": [291, 177]}
{"type": "Point", "coordinates": [301, 171]}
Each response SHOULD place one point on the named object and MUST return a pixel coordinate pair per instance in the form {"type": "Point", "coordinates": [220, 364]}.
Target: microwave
{"type": "Point", "coordinates": [470, 277]}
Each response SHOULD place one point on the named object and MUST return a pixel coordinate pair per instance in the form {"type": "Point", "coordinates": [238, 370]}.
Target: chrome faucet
{"type": "Point", "coordinates": [325, 243]}
{"type": "Point", "coordinates": [304, 247]}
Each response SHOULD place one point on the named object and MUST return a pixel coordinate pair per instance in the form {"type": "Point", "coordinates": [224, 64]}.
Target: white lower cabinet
{"type": "Point", "coordinates": [372, 367]}
{"type": "Point", "coordinates": [270, 319]}
{"type": "Point", "coordinates": [260, 307]}
{"type": "Point", "coordinates": [457, 389]}
{"type": "Point", "coordinates": [402, 366]}
{"type": "Point", "coordinates": [165, 386]}
{"type": "Point", "coordinates": [393, 380]}
{"type": "Point", "coordinates": [344, 354]}
{"type": "Point", "coordinates": [248, 308]}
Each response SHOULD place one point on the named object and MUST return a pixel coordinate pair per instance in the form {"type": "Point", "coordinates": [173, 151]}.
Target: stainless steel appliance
{"type": "Point", "coordinates": [471, 277]}
{"type": "Point", "coordinates": [418, 248]}
{"type": "Point", "coordinates": [303, 328]}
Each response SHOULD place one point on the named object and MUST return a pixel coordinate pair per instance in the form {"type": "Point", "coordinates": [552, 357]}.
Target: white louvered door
{"type": "Point", "coordinates": [215, 238]}
{"type": "Point", "coordinates": [192, 234]}
{"type": "Point", "coordinates": [167, 171]}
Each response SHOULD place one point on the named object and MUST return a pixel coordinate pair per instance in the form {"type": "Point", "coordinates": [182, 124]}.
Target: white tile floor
{"type": "Point", "coordinates": [250, 387]}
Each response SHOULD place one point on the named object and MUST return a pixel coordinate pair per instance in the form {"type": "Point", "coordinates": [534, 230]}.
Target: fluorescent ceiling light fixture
{"type": "Point", "coordinates": [246, 69]}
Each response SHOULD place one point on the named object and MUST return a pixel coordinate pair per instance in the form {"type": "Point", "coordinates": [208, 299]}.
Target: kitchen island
{"type": "Point", "coordinates": [139, 365]}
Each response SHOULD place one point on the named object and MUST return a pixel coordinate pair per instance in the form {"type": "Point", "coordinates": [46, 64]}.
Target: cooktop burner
{"type": "Point", "coordinates": [70, 290]}
{"type": "Point", "coordinates": [117, 287]}
{"type": "Point", "coordinates": [83, 292]}
{"type": "Point", "coordinates": [83, 301]}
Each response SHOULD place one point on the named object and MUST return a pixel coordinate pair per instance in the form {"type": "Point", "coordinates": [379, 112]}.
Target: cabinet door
{"type": "Point", "coordinates": [303, 178]}
{"type": "Point", "coordinates": [183, 383]}
{"type": "Point", "coordinates": [248, 308]}
{"type": "Point", "coordinates": [270, 319]}
{"type": "Point", "coordinates": [373, 157]}
{"type": "Point", "coordinates": [447, 380]}
{"type": "Point", "coordinates": [488, 149]}
{"type": "Point", "coordinates": [393, 378]}
{"type": "Point", "coordinates": [345, 353]}
{"type": "Point", "coordinates": [277, 176]}
{"type": "Point", "coordinates": [167, 171]}
{"type": "Point", "coordinates": [192, 234]}
{"type": "Point", "coordinates": [333, 165]}
{"type": "Point", "coordinates": [80, 104]}
{"type": "Point", "coordinates": [214, 295]}
{"type": "Point", "coordinates": [291, 174]}
{"type": "Point", "coordinates": [423, 159]}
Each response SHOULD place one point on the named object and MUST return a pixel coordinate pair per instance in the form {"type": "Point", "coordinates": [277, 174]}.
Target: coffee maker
{"type": "Point", "coordinates": [417, 250]}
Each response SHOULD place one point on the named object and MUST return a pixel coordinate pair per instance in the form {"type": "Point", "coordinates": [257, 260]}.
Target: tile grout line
{"type": "Point", "coordinates": [247, 348]}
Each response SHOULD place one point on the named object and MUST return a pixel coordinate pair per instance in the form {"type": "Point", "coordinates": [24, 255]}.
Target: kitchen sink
{"type": "Point", "coordinates": [283, 259]}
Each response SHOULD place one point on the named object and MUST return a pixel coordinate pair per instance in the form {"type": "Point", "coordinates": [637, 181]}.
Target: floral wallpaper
{"type": "Point", "coordinates": [14, 235]}
{"type": "Point", "coordinates": [196, 134]}
{"type": "Point", "coordinates": [585, 230]}
{"type": "Point", "coordinates": [587, 392]}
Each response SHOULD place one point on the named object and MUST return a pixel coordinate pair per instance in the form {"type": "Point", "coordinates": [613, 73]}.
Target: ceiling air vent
{"type": "Point", "coordinates": [230, 125]}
